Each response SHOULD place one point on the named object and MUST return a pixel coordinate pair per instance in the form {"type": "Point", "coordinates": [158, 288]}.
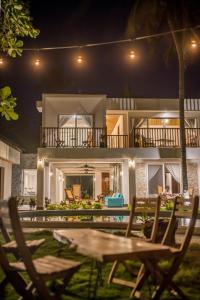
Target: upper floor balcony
{"type": "Point", "coordinates": [155, 104]}
{"type": "Point", "coordinates": [54, 137]}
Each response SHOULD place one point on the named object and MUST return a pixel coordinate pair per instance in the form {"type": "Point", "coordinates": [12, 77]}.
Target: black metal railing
{"type": "Point", "coordinates": [164, 137]}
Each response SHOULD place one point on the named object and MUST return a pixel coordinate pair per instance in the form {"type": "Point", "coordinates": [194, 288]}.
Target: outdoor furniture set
{"type": "Point", "coordinates": [102, 248]}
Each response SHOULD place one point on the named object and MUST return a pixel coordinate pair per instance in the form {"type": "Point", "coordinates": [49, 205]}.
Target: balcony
{"type": "Point", "coordinates": [53, 137]}
{"type": "Point", "coordinates": [164, 137]}
{"type": "Point", "coordinates": [81, 138]}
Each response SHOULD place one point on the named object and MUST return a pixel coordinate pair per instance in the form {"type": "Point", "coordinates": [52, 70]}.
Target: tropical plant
{"type": "Point", "coordinates": [15, 24]}
{"type": "Point", "coordinates": [151, 16]}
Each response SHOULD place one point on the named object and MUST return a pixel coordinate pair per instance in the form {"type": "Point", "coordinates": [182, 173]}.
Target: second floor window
{"type": "Point", "coordinates": [75, 121]}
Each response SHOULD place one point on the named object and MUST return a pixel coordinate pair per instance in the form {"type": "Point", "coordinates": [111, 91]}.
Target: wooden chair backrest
{"type": "Point", "coordinates": [69, 194]}
{"type": "Point", "coordinates": [10, 218]}
{"type": "Point", "coordinates": [149, 206]}
{"type": "Point", "coordinates": [182, 210]}
{"type": "Point", "coordinates": [76, 190]}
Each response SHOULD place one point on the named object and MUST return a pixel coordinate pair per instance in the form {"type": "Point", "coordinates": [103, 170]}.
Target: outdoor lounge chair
{"type": "Point", "coordinates": [116, 200]}
{"type": "Point", "coordinates": [40, 270]}
{"type": "Point", "coordinates": [69, 195]}
{"type": "Point", "coordinates": [143, 207]}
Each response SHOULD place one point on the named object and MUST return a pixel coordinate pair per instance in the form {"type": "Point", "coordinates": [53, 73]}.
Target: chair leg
{"type": "Point", "coordinates": [175, 290]}
{"type": "Point", "coordinates": [142, 276]}
{"type": "Point", "coordinates": [113, 270]}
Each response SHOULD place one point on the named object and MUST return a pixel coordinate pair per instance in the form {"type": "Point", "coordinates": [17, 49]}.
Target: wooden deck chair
{"type": "Point", "coordinates": [76, 188]}
{"type": "Point", "coordinates": [149, 207]}
{"type": "Point", "coordinates": [164, 278]}
{"type": "Point", "coordinates": [10, 245]}
{"type": "Point", "coordinates": [40, 270]}
{"type": "Point", "coordinates": [69, 195]}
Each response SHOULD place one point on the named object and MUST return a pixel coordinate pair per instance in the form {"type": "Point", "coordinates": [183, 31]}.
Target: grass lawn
{"type": "Point", "coordinates": [188, 277]}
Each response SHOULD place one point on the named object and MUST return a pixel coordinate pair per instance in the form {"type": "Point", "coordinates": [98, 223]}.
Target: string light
{"type": "Point", "coordinates": [154, 35]}
{"type": "Point", "coordinates": [79, 59]}
{"type": "Point", "coordinates": [132, 55]}
{"type": "Point", "coordinates": [37, 62]}
{"type": "Point", "coordinates": [193, 44]}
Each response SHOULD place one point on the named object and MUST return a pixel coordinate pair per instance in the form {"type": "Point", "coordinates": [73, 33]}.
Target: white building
{"type": "Point", "coordinates": [123, 145]}
{"type": "Point", "coordinates": [9, 155]}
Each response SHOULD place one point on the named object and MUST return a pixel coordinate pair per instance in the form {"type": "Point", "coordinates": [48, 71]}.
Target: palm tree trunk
{"type": "Point", "coordinates": [181, 66]}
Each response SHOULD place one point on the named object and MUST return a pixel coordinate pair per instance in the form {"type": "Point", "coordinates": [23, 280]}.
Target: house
{"type": "Point", "coordinates": [9, 156]}
{"type": "Point", "coordinates": [98, 145]}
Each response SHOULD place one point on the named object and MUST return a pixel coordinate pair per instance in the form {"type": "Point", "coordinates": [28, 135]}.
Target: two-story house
{"type": "Point", "coordinates": [126, 145]}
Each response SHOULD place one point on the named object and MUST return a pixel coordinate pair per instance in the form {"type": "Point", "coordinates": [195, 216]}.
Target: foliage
{"type": "Point", "coordinates": [15, 23]}
{"type": "Point", "coordinates": [169, 205]}
{"type": "Point", "coordinates": [7, 104]}
{"type": "Point", "coordinates": [74, 205]}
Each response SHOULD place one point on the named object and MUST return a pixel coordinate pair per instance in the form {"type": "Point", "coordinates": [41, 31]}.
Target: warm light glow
{"type": "Point", "coordinates": [37, 62]}
{"type": "Point", "coordinates": [1, 61]}
{"type": "Point", "coordinates": [131, 163]}
{"type": "Point", "coordinates": [193, 44]}
{"type": "Point", "coordinates": [132, 55]}
{"type": "Point", "coordinates": [79, 59]}
{"type": "Point", "coordinates": [50, 173]}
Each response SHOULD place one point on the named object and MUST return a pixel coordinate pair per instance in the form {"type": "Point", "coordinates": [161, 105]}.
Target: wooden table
{"type": "Point", "coordinates": [105, 247]}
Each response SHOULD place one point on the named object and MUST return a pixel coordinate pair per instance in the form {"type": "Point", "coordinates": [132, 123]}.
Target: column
{"type": "Point", "coordinates": [40, 184]}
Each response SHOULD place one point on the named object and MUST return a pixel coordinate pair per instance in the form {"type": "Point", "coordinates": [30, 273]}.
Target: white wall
{"type": "Point", "coordinates": [53, 105]}
{"type": "Point", "coordinates": [97, 184]}
{"type": "Point", "coordinates": [125, 181]}
{"type": "Point", "coordinates": [7, 178]}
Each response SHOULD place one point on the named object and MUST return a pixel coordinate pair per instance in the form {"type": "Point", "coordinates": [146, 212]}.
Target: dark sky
{"type": "Point", "coordinates": [105, 71]}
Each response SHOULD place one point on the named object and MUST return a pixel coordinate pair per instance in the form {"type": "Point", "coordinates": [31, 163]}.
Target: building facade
{"type": "Point", "coordinates": [99, 145]}
{"type": "Point", "coordinates": [9, 156]}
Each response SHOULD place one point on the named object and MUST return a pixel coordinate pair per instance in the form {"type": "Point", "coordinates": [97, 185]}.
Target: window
{"type": "Point", "coordinates": [164, 178]}
{"type": "Point", "coordinates": [75, 121]}
{"type": "Point", "coordinates": [29, 182]}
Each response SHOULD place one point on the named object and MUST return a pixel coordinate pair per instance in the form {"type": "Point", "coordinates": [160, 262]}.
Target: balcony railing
{"type": "Point", "coordinates": [81, 138]}
{"type": "Point", "coordinates": [165, 137]}
{"type": "Point", "coordinates": [97, 138]}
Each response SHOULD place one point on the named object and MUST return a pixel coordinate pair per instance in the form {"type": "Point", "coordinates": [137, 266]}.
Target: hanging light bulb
{"type": "Point", "coordinates": [79, 59]}
{"type": "Point", "coordinates": [132, 55]}
{"type": "Point", "coordinates": [1, 61]}
{"type": "Point", "coordinates": [37, 62]}
{"type": "Point", "coordinates": [193, 44]}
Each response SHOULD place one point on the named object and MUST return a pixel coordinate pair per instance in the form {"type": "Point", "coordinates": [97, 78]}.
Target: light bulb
{"type": "Point", "coordinates": [37, 62]}
{"type": "Point", "coordinates": [79, 59]}
{"type": "Point", "coordinates": [132, 55]}
{"type": "Point", "coordinates": [193, 44]}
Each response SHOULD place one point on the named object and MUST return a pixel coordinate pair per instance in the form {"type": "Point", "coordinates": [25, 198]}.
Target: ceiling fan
{"type": "Point", "coordinates": [86, 168]}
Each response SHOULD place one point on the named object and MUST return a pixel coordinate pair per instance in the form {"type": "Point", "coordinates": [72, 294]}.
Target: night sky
{"type": "Point", "coordinates": [106, 70]}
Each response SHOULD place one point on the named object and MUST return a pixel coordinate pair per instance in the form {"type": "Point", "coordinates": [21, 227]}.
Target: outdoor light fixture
{"type": "Point", "coordinates": [1, 61]}
{"type": "Point", "coordinates": [131, 163]}
{"type": "Point", "coordinates": [132, 55]}
{"type": "Point", "coordinates": [193, 44]}
{"type": "Point", "coordinates": [51, 173]}
{"type": "Point", "coordinates": [40, 162]}
{"type": "Point", "coordinates": [121, 173]}
{"type": "Point", "coordinates": [37, 62]}
{"type": "Point", "coordinates": [79, 59]}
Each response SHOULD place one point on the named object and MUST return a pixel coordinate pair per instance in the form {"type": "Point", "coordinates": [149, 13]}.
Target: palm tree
{"type": "Point", "coordinates": [167, 15]}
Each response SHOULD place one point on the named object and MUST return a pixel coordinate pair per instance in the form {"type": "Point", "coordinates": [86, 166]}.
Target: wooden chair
{"type": "Point", "coordinates": [69, 195]}
{"type": "Point", "coordinates": [40, 270]}
{"type": "Point", "coordinates": [76, 189]}
{"type": "Point", "coordinates": [141, 206]}
{"type": "Point", "coordinates": [164, 278]}
{"type": "Point", "coordinates": [10, 245]}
